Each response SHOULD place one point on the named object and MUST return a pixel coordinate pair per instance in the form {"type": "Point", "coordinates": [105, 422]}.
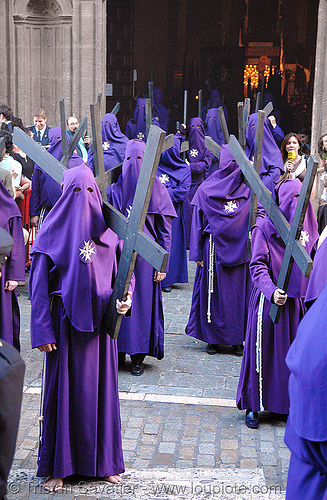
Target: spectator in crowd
{"type": "Point", "coordinates": [40, 128]}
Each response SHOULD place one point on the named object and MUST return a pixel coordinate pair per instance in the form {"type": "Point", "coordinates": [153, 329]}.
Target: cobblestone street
{"type": "Point", "coordinates": [183, 436]}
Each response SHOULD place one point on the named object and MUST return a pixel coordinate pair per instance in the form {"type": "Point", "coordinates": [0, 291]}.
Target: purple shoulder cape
{"type": "Point", "coordinates": [287, 193]}
{"type": "Point", "coordinates": [225, 201]}
{"type": "Point", "coordinates": [121, 194]}
{"type": "Point", "coordinates": [271, 155]}
{"type": "Point", "coordinates": [74, 235]}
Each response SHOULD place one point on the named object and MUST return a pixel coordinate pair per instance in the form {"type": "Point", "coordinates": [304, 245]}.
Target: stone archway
{"type": "Point", "coordinates": [43, 35]}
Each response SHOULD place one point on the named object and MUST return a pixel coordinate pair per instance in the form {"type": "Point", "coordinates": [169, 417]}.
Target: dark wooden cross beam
{"type": "Point", "coordinates": [116, 108]}
{"type": "Point", "coordinates": [130, 230]}
{"type": "Point", "coordinates": [223, 124]}
{"type": "Point", "coordinates": [200, 103]}
{"type": "Point", "coordinates": [213, 147]}
{"type": "Point", "coordinates": [258, 102]}
{"type": "Point", "coordinates": [68, 151]}
{"type": "Point", "coordinates": [2, 145]}
{"type": "Point", "coordinates": [290, 235]}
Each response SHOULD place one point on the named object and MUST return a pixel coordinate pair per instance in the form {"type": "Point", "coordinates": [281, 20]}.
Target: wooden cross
{"type": "Point", "coordinates": [290, 235]}
{"type": "Point", "coordinates": [2, 145]}
{"type": "Point", "coordinates": [68, 151]}
{"type": "Point", "coordinates": [200, 103]}
{"type": "Point", "coordinates": [130, 230]}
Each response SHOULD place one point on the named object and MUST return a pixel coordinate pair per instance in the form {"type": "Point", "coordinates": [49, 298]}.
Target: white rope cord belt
{"type": "Point", "coordinates": [259, 347]}
{"type": "Point", "coordinates": [210, 275]}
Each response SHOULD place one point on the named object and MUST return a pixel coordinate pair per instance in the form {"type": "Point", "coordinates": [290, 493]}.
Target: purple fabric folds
{"type": "Point", "coordinates": [225, 201]}
{"type": "Point", "coordinates": [78, 249]}
{"type": "Point", "coordinates": [114, 143]}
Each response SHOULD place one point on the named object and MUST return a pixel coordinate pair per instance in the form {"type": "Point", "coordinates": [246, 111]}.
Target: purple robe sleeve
{"type": "Point", "coordinates": [179, 193]}
{"type": "Point", "coordinates": [278, 134]}
{"type": "Point", "coordinates": [16, 261]}
{"type": "Point", "coordinates": [163, 224]}
{"type": "Point", "coordinates": [201, 167]}
{"type": "Point", "coordinates": [196, 237]}
{"type": "Point", "coordinates": [41, 322]}
{"type": "Point", "coordinates": [260, 265]}
{"type": "Point", "coordinates": [35, 206]}
{"type": "Point", "coordinates": [90, 160]}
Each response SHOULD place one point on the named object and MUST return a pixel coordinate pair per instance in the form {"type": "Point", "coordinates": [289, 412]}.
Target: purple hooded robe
{"type": "Point", "coordinates": [219, 228]}
{"type": "Point", "coordinates": [200, 160]}
{"type": "Point", "coordinates": [160, 112]}
{"type": "Point", "coordinates": [175, 175]}
{"type": "Point", "coordinates": [318, 276]}
{"type": "Point", "coordinates": [306, 430]}
{"type": "Point", "coordinates": [114, 143]}
{"type": "Point", "coordinates": [143, 331]}
{"type": "Point", "coordinates": [272, 166]}
{"type": "Point", "coordinates": [264, 375]}
{"type": "Point", "coordinates": [45, 191]}
{"type": "Point", "coordinates": [12, 270]}
{"type": "Point", "coordinates": [73, 264]}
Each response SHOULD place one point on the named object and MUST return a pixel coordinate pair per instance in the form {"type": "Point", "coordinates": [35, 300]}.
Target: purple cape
{"type": "Point", "coordinates": [136, 127]}
{"type": "Point", "coordinates": [287, 193]}
{"type": "Point", "coordinates": [196, 138]}
{"type": "Point", "coordinates": [225, 201]}
{"type": "Point", "coordinates": [114, 143]}
{"type": "Point", "coordinates": [122, 193]}
{"type": "Point", "coordinates": [272, 166]}
{"type": "Point", "coordinates": [76, 229]}
{"type": "Point", "coordinates": [212, 126]}
{"type": "Point", "coordinates": [173, 166]}
{"type": "Point", "coordinates": [307, 361]}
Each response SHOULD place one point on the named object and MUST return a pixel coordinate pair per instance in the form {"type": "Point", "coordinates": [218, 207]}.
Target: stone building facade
{"type": "Point", "coordinates": [52, 49]}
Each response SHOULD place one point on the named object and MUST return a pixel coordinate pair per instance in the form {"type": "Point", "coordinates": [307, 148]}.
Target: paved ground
{"type": "Point", "coordinates": [182, 434]}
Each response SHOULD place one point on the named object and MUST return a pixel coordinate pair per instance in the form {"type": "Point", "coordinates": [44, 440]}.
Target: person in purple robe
{"type": "Point", "coordinates": [136, 127]}
{"type": "Point", "coordinates": [200, 160]}
{"type": "Point", "coordinates": [218, 244]}
{"type": "Point", "coordinates": [215, 101]}
{"type": "Point", "coordinates": [72, 273]}
{"type": "Point", "coordinates": [213, 130]}
{"type": "Point", "coordinates": [113, 143]}
{"type": "Point", "coordinates": [12, 271]}
{"type": "Point", "coordinates": [264, 374]}
{"type": "Point", "coordinates": [306, 429]}
{"type": "Point", "coordinates": [142, 334]}
{"type": "Point", "coordinates": [175, 174]}
{"type": "Point", "coordinates": [272, 166]}
{"type": "Point", "coordinates": [46, 191]}
{"type": "Point", "coordinates": [160, 112]}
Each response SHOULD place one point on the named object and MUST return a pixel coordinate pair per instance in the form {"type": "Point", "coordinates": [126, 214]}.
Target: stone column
{"type": "Point", "coordinates": [319, 108]}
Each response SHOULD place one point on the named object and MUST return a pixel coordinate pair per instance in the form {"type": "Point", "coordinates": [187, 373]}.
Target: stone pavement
{"type": "Point", "coordinates": [183, 437]}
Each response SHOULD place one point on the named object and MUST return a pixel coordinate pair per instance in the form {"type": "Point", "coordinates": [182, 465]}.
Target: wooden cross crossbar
{"type": "Point", "coordinates": [212, 146]}
{"type": "Point", "coordinates": [126, 229]}
{"type": "Point", "coordinates": [116, 108]}
{"type": "Point", "coordinates": [223, 124]}
{"type": "Point", "coordinates": [200, 103]}
{"type": "Point", "coordinates": [290, 235]}
{"type": "Point", "coordinates": [2, 145]}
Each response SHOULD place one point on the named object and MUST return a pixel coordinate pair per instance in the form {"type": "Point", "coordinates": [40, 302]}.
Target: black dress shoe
{"type": "Point", "coordinates": [212, 348]}
{"type": "Point", "coordinates": [166, 289]}
{"type": "Point", "coordinates": [137, 368]}
{"type": "Point", "coordinates": [252, 419]}
{"type": "Point", "coordinates": [121, 359]}
{"type": "Point", "coordinates": [238, 349]}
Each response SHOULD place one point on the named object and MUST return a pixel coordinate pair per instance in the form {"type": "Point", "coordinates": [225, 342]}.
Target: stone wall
{"type": "Point", "coordinates": [53, 49]}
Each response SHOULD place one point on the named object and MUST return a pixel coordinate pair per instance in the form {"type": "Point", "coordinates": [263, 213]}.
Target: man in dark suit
{"type": "Point", "coordinates": [6, 116]}
{"type": "Point", "coordinates": [40, 128]}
